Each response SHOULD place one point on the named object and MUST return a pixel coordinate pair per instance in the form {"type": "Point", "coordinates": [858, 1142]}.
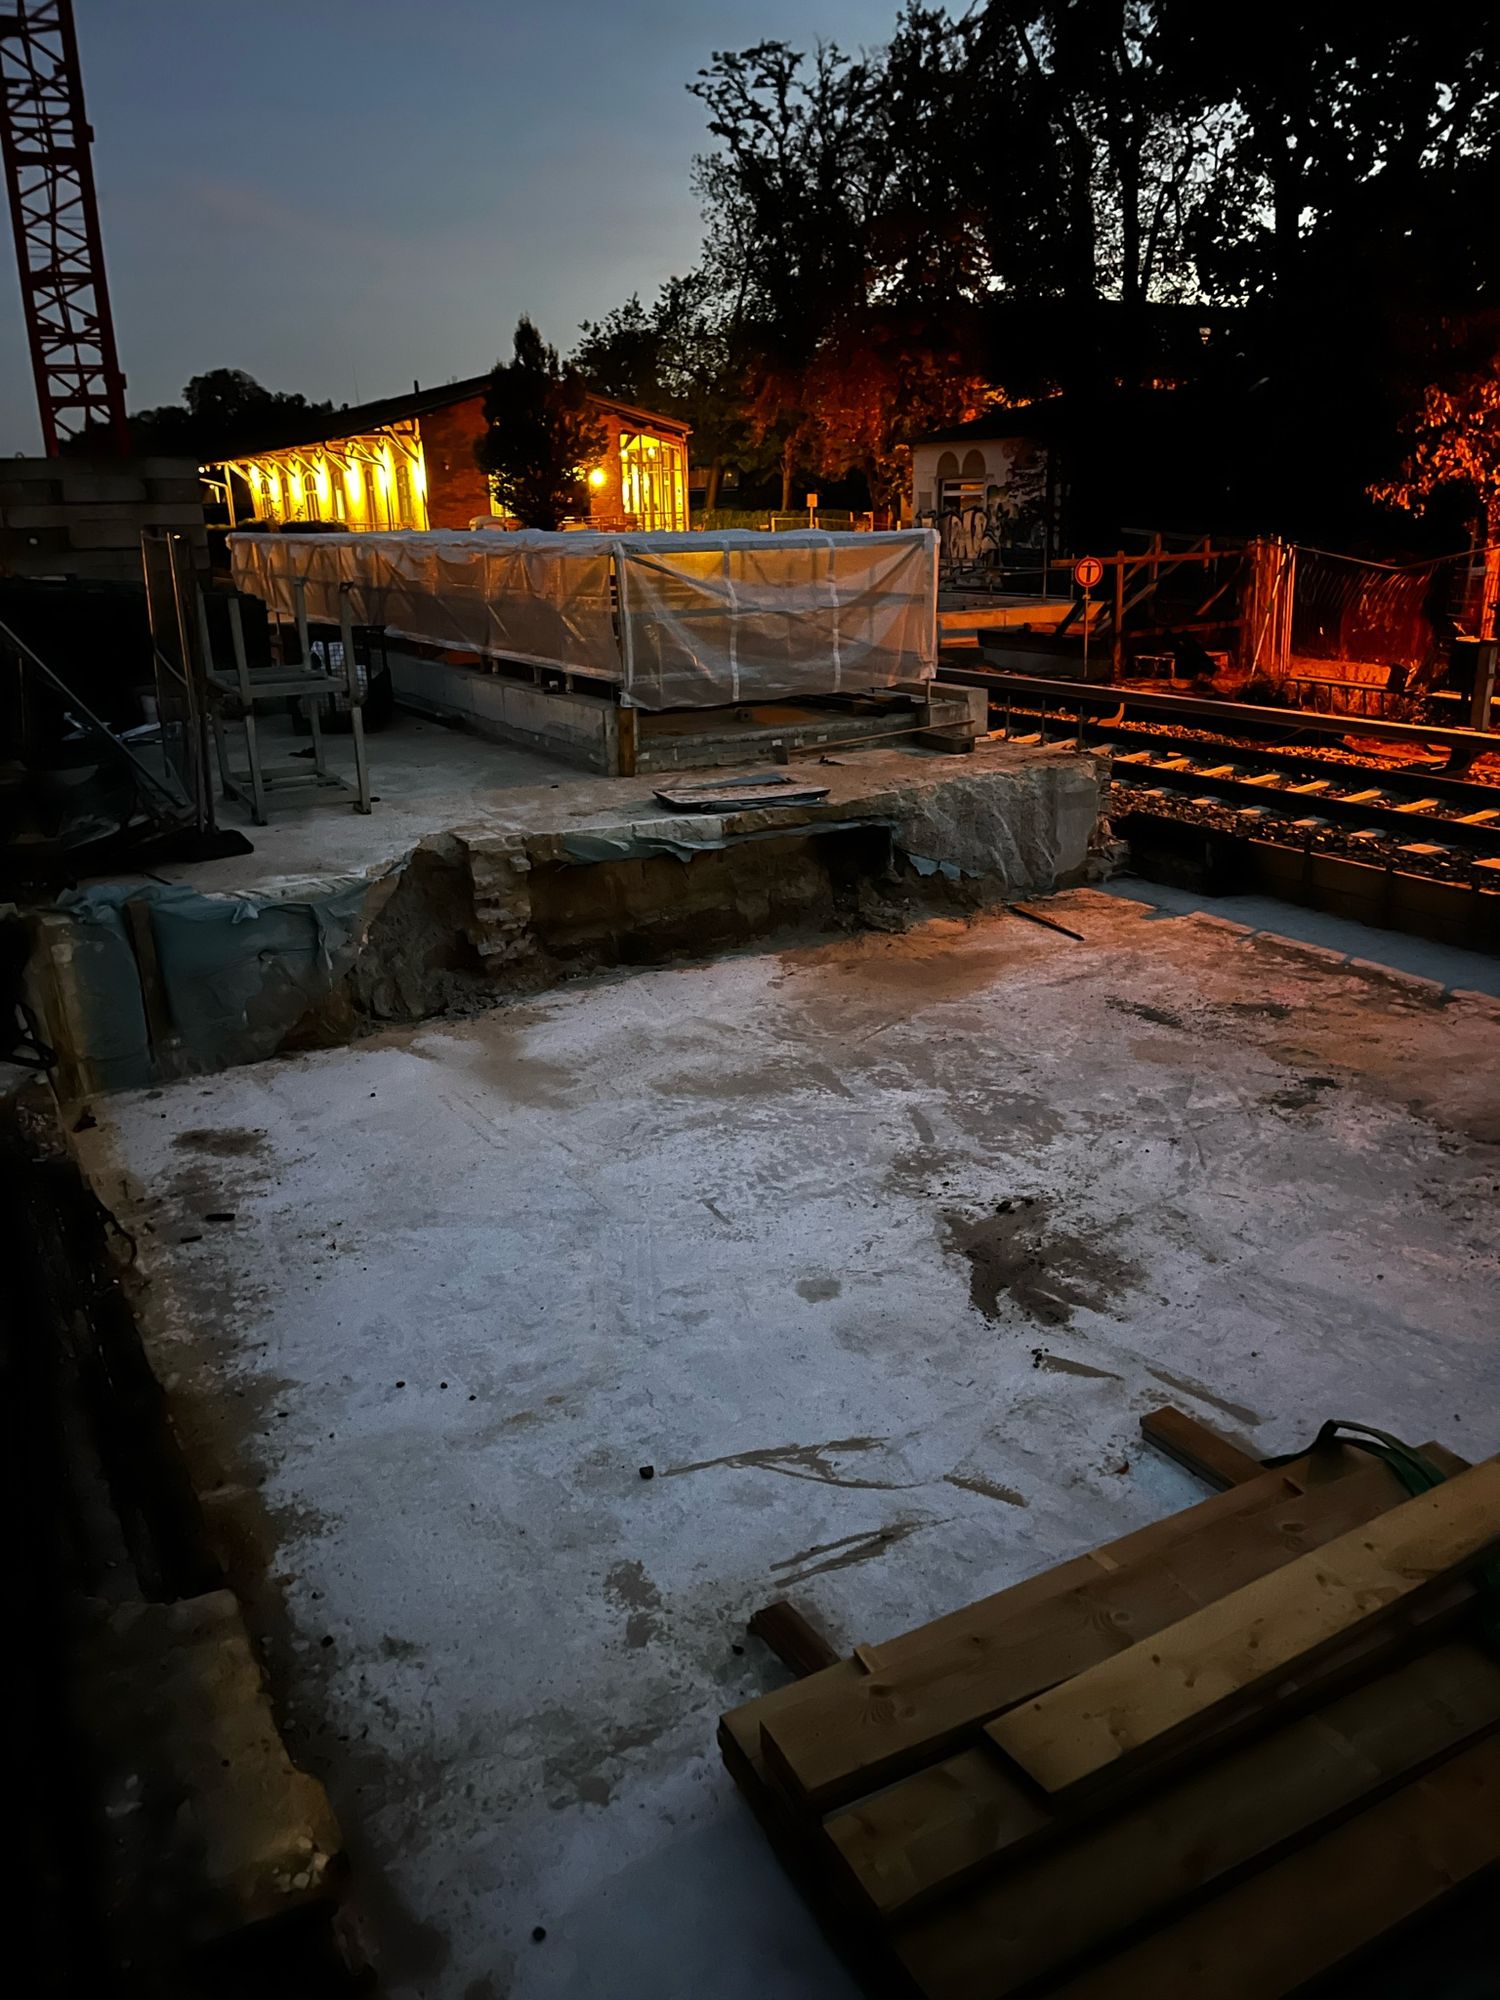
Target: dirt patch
{"type": "Point", "coordinates": [1241, 1412]}
{"type": "Point", "coordinates": [224, 1142]}
{"type": "Point", "coordinates": [1299, 1096]}
{"type": "Point", "coordinates": [628, 1586]}
{"type": "Point", "coordinates": [990, 1488]}
{"type": "Point", "coordinates": [817, 1289]}
{"type": "Point", "coordinates": [1160, 1017]}
{"type": "Point", "coordinates": [1061, 1364]}
{"type": "Point", "coordinates": [1047, 1273]}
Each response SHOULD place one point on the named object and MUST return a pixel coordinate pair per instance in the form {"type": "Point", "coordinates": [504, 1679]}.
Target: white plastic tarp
{"type": "Point", "coordinates": [678, 620]}
{"type": "Point", "coordinates": [503, 596]}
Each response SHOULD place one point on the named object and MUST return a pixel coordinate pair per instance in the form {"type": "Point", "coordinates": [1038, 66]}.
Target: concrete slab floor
{"type": "Point", "coordinates": [429, 780]}
{"type": "Point", "coordinates": [875, 1250]}
{"type": "Point", "coordinates": [426, 778]}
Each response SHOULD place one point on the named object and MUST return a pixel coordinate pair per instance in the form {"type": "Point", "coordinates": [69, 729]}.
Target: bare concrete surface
{"type": "Point", "coordinates": [424, 777]}
{"type": "Point", "coordinates": [875, 1250]}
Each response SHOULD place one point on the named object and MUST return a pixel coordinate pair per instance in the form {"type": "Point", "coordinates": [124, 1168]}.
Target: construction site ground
{"type": "Point", "coordinates": [520, 1358]}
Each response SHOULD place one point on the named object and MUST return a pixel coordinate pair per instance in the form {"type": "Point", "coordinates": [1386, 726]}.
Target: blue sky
{"type": "Point", "coordinates": [342, 195]}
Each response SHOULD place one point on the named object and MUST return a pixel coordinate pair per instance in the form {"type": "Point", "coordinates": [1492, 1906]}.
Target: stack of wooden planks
{"type": "Point", "coordinates": [1221, 1754]}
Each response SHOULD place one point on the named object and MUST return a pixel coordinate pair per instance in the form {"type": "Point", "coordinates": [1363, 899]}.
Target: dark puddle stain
{"type": "Point", "coordinates": [1161, 1017]}
{"type": "Point", "coordinates": [628, 1586]}
{"type": "Point", "coordinates": [799, 1461]}
{"type": "Point", "coordinates": [1298, 1096]}
{"type": "Point", "coordinates": [845, 1552]}
{"type": "Point", "coordinates": [574, 1776]}
{"type": "Point", "coordinates": [1047, 1274]}
{"type": "Point", "coordinates": [989, 1488]}
{"type": "Point", "coordinates": [922, 1127]}
{"type": "Point", "coordinates": [1241, 1413]}
{"type": "Point", "coordinates": [224, 1142]}
{"type": "Point", "coordinates": [818, 1288]}
{"type": "Point", "coordinates": [1059, 1364]}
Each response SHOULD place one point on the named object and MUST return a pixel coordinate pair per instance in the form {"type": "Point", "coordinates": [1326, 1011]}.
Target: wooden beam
{"type": "Point", "coordinates": [1306, 1914]}
{"type": "Point", "coordinates": [740, 1728]}
{"type": "Point", "coordinates": [1048, 1909]}
{"type": "Point", "coordinates": [1225, 1660]}
{"type": "Point", "coordinates": [824, 1752]}
{"type": "Point", "coordinates": [1198, 1448]}
{"type": "Point", "coordinates": [796, 1642]}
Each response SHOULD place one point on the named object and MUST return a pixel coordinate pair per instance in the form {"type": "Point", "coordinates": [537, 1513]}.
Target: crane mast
{"type": "Point", "coordinates": [49, 177]}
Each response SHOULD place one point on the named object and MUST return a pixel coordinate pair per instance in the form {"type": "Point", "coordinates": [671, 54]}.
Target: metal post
{"type": "Point", "coordinates": [1117, 637]}
{"type": "Point", "coordinates": [203, 798]}
{"type": "Point", "coordinates": [215, 721]}
{"type": "Point", "coordinates": [356, 700]}
{"type": "Point", "coordinates": [247, 703]}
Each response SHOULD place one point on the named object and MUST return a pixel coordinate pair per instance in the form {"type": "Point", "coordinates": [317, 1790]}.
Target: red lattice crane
{"type": "Point", "coordinates": [49, 177]}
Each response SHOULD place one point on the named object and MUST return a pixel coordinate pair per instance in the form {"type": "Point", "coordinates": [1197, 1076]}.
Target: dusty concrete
{"type": "Point", "coordinates": [874, 1250]}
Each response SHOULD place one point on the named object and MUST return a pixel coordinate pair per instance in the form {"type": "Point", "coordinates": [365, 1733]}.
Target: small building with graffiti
{"type": "Point", "coordinates": [999, 464]}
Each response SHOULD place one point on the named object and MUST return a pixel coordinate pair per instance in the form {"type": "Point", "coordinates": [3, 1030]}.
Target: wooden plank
{"type": "Point", "coordinates": [1306, 1914]}
{"type": "Point", "coordinates": [827, 1751]}
{"type": "Point", "coordinates": [1201, 1450]}
{"type": "Point", "coordinates": [739, 1728]}
{"type": "Point", "coordinates": [795, 1641]}
{"type": "Point", "coordinates": [1241, 1811]}
{"type": "Point", "coordinates": [913, 1844]}
{"type": "Point", "coordinates": [1224, 1660]}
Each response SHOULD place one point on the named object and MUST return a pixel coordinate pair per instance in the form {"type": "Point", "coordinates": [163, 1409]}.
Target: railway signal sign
{"type": "Point", "coordinates": [1087, 571]}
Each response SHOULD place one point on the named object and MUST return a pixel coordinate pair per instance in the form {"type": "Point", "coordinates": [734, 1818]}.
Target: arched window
{"type": "Point", "coordinates": [959, 491]}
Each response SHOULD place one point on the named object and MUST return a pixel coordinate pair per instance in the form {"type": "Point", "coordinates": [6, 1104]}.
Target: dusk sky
{"type": "Point", "coordinates": [342, 195]}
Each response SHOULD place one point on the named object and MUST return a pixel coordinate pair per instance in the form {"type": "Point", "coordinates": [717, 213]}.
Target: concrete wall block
{"type": "Point", "coordinates": [90, 488]}
{"type": "Point", "coordinates": [582, 729]}
{"type": "Point", "coordinates": [1019, 837]}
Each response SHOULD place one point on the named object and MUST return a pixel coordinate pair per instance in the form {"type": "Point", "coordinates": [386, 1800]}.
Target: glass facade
{"type": "Point", "coordinates": [375, 481]}
{"type": "Point", "coordinates": [653, 482]}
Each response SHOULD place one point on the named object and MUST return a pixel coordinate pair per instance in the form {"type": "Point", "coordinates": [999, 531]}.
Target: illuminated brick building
{"type": "Point", "coordinates": [408, 462]}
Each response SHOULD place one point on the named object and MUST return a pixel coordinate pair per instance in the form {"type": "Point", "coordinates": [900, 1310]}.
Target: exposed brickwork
{"type": "Point", "coordinates": [456, 488]}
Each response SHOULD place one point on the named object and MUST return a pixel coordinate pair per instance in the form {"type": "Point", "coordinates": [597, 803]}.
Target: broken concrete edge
{"type": "Point", "coordinates": [212, 1836]}
{"type": "Point", "coordinates": [227, 979]}
{"type": "Point", "coordinates": [176, 1700]}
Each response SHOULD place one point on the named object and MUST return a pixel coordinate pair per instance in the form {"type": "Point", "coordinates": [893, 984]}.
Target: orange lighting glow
{"type": "Point", "coordinates": [598, 476]}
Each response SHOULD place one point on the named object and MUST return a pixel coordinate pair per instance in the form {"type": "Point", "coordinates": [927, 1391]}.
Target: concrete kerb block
{"type": "Point", "coordinates": [1319, 953]}
{"type": "Point", "coordinates": [1204, 921]}
{"type": "Point", "coordinates": [1429, 990]}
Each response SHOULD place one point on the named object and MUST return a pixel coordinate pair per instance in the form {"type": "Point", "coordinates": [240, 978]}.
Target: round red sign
{"type": "Point", "coordinates": [1087, 572]}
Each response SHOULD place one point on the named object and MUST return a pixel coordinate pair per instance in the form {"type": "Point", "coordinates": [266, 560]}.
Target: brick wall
{"type": "Point", "coordinates": [456, 489]}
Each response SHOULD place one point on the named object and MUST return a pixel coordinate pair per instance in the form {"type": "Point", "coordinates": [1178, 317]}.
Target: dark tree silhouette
{"type": "Point", "coordinates": [223, 413]}
{"type": "Point", "coordinates": [541, 434]}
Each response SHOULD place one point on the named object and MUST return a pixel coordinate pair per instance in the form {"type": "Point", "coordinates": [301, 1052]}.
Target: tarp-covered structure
{"type": "Point", "coordinates": [679, 621]}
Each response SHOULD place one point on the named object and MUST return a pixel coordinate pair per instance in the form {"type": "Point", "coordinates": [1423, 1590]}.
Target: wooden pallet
{"type": "Point", "coordinates": [1222, 1753]}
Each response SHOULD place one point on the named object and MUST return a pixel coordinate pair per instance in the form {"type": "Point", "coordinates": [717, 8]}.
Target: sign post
{"type": "Point", "coordinates": [812, 510]}
{"type": "Point", "coordinates": [1087, 572]}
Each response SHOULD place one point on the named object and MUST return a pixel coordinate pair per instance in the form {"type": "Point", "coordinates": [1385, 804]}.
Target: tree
{"type": "Point", "coordinates": [683, 356]}
{"type": "Point", "coordinates": [223, 414]}
{"type": "Point", "coordinates": [1453, 440]}
{"type": "Point", "coordinates": [541, 435]}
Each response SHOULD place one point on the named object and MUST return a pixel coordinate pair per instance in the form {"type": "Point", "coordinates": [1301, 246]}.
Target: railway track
{"type": "Point", "coordinates": [1208, 800]}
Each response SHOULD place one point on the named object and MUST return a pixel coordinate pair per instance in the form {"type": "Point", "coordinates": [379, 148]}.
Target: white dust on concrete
{"type": "Point", "coordinates": [876, 1251]}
